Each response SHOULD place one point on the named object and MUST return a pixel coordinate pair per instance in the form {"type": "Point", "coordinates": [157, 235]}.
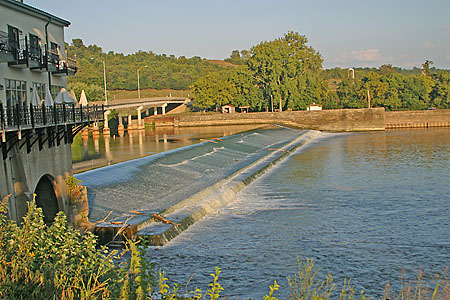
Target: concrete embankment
{"type": "Point", "coordinates": [417, 119]}
{"type": "Point", "coordinates": [337, 120]}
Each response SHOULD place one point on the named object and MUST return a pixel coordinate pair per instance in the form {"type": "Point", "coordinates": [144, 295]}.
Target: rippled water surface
{"type": "Point", "coordinates": [363, 205]}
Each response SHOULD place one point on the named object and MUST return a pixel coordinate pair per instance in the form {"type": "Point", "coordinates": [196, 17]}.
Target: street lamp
{"type": "Point", "coordinates": [139, 90]}
{"type": "Point", "coordinates": [104, 80]}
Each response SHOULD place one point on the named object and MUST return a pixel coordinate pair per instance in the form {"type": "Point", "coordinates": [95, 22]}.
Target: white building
{"type": "Point", "coordinates": [314, 106]}
{"type": "Point", "coordinates": [32, 53]}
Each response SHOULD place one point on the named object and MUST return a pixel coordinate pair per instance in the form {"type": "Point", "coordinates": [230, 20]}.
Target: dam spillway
{"type": "Point", "coordinates": [185, 184]}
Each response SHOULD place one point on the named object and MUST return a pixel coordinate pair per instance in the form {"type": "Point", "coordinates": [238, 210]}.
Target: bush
{"type": "Point", "coordinates": [39, 261]}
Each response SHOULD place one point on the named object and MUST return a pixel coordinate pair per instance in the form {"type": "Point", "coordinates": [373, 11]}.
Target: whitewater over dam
{"type": "Point", "coordinates": [185, 184]}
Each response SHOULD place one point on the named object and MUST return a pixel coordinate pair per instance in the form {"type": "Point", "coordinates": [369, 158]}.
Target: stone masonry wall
{"type": "Point", "coordinates": [417, 119]}
{"type": "Point", "coordinates": [327, 120]}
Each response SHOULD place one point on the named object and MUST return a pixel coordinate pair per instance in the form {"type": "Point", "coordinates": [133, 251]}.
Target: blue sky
{"type": "Point", "coordinates": [348, 33]}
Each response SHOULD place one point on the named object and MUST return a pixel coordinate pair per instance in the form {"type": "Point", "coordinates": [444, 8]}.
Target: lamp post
{"type": "Point", "coordinates": [139, 90]}
{"type": "Point", "coordinates": [104, 80]}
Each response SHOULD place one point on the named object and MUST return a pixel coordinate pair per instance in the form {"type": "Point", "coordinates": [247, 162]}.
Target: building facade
{"type": "Point", "coordinates": [32, 53]}
{"type": "Point", "coordinates": [35, 138]}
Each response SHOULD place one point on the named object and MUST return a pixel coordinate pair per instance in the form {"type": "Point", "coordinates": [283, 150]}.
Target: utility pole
{"type": "Point", "coordinates": [139, 88]}
{"type": "Point", "coordinates": [104, 80]}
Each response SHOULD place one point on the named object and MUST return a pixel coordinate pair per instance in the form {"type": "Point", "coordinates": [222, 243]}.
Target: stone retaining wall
{"type": "Point", "coordinates": [327, 120]}
{"type": "Point", "coordinates": [417, 119]}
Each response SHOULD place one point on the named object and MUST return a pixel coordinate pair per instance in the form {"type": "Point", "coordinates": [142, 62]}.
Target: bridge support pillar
{"type": "Point", "coordinates": [155, 110]}
{"type": "Point", "coordinates": [120, 128]}
{"type": "Point", "coordinates": [106, 131]}
{"type": "Point", "coordinates": [130, 124]}
{"type": "Point", "coordinates": [139, 115]}
{"type": "Point", "coordinates": [164, 108]}
{"type": "Point", "coordinates": [95, 131]}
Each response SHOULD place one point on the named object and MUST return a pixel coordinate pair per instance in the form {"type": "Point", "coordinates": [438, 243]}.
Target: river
{"type": "Point", "coordinates": [362, 205]}
{"type": "Point", "coordinates": [90, 153]}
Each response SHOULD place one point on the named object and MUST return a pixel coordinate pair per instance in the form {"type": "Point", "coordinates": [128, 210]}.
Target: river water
{"type": "Point", "coordinates": [362, 205]}
{"type": "Point", "coordinates": [89, 153]}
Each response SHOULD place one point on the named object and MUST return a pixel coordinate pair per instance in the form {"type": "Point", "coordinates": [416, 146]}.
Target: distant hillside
{"type": "Point", "coordinates": [157, 71]}
{"type": "Point", "coordinates": [222, 63]}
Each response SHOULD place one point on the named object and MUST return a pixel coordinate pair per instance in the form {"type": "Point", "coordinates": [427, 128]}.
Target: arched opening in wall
{"type": "Point", "coordinates": [46, 198]}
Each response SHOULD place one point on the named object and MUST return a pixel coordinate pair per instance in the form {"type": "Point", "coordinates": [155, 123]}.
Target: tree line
{"type": "Point", "coordinates": [282, 74]}
{"type": "Point", "coordinates": [287, 74]}
{"type": "Point", "coordinates": [157, 71]}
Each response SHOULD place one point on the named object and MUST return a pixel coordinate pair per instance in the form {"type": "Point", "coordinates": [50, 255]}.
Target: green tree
{"type": "Point", "coordinates": [212, 91]}
{"type": "Point", "coordinates": [93, 92]}
{"type": "Point", "coordinates": [440, 94]}
{"type": "Point", "coordinates": [287, 70]}
{"type": "Point", "coordinates": [426, 67]}
{"type": "Point", "coordinates": [246, 91]}
{"type": "Point", "coordinates": [349, 96]}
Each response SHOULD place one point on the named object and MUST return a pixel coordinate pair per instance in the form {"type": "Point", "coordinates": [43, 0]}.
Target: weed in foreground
{"type": "Point", "coordinates": [39, 261]}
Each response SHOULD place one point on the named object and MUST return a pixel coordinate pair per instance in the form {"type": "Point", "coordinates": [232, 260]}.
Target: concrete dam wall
{"type": "Point", "coordinates": [326, 120]}
{"type": "Point", "coordinates": [336, 120]}
{"type": "Point", "coordinates": [417, 119]}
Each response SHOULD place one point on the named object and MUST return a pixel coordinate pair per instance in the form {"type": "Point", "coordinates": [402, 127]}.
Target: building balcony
{"type": "Point", "coordinates": [67, 67]}
{"type": "Point", "coordinates": [26, 56]}
{"type": "Point", "coordinates": [20, 54]}
{"type": "Point", "coordinates": [52, 60]}
{"type": "Point", "coordinates": [36, 59]}
{"type": "Point", "coordinates": [23, 55]}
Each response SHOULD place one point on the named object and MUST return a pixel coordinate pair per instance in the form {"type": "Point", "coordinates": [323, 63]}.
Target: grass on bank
{"type": "Point", "coordinates": [39, 261]}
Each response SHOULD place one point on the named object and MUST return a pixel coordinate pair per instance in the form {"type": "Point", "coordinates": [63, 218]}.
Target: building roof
{"type": "Point", "coordinates": [30, 10]}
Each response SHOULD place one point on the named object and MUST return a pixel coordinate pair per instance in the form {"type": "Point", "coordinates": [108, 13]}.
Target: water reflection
{"type": "Point", "coordinates": [92, 152]}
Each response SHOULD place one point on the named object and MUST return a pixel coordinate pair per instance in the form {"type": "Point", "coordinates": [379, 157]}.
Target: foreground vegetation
{"type": "Point", "coordinates": [39, 261]}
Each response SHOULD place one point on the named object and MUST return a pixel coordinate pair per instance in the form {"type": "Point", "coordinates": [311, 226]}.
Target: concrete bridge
{"type": "Point", "coordinates": [142, 107]}
{"type": "Point", "coordinates": [37, 156]}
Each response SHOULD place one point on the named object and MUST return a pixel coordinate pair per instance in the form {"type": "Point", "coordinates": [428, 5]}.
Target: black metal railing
{"type": "Point", "coordinates": [67, 65]}
{"type": "Point", "coordinates": [53, 57]}
{"type": "Point", "coordinates": [24, 116]}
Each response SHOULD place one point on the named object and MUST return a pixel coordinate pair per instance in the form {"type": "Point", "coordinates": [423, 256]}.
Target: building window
{"type": "Point", "coordinates": [35, 46]}
{"type": "Point", "coordinates": [13, 36]}
{"type": "Point", "coordinates": [40, 88]}
{"type": "Point", "coordinates": [16, 92]}
{"type": "Point", "coordinates": [55, 90]}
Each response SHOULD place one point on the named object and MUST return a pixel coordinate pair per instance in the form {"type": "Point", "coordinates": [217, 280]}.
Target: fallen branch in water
{"type": "Point", "coordinates": [165, 221]}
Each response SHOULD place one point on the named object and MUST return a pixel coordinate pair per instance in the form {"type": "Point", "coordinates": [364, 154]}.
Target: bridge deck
{"type": "Point", "coordinates": [144, 102]}
{"type": "Point", "coordinates": [60, 121]}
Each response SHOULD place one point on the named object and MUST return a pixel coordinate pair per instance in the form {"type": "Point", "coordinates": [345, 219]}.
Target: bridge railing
{"type": "Point", "coordinates": [29, 116]}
